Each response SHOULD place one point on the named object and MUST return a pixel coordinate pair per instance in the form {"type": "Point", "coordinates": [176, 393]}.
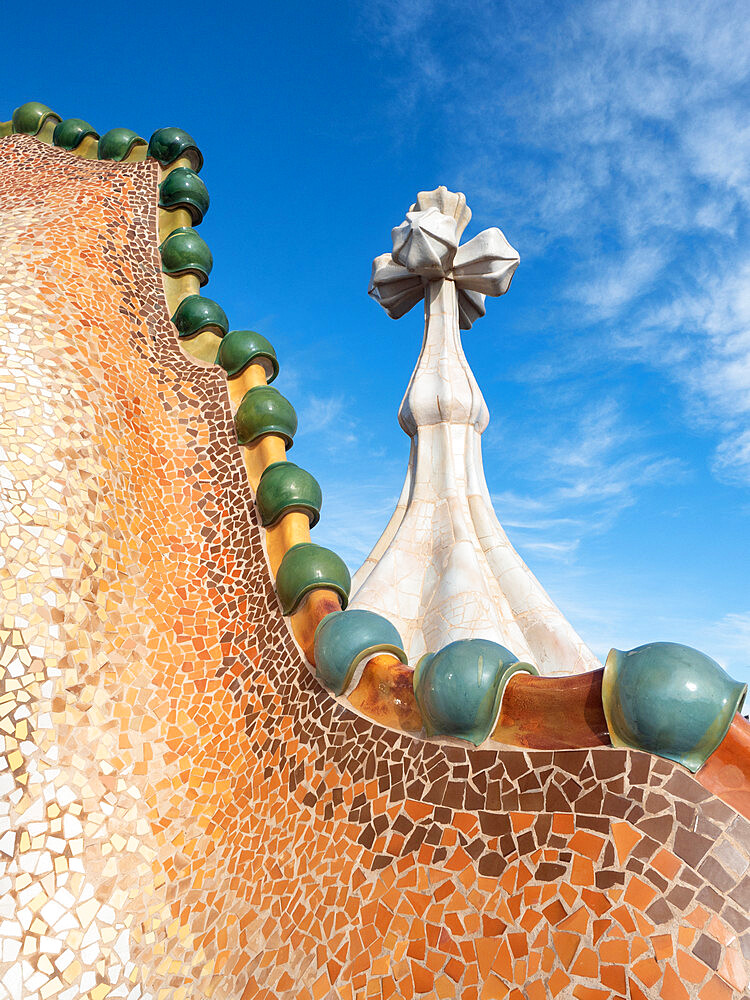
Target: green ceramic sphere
{"type": "Point", "coordinates": [30, 117]}
{"type": "Point", "coordinates": [306, 567]}
{"type": "Point", "coordinates": [168, 144]}
{"type": "Point", "coordinates": [70, 133]}
{"type": "Point", "coordinates": [241, 347]}
{"type": "Point", "coordinates": [183, 188]}
{"type": "Point", "coordinates": [284, 487]}
{"type": "Point", "coordinates": [197, 313]}
{"type": "Point", "coordinates": [669, 700]}
{"type": "Point", "coordinates": [118, 143]}
{"type": "Point", "coordinates": [344, 638]}
{"type": "Point", "coordinates": [264, 410]}
{"type": "Point", "coordinates": [183, 251]}
{"type": "Point", "coordinates": [459, 689]}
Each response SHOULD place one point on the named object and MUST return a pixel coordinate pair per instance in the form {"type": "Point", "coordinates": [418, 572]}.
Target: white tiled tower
{"type": "Point", "coordinates": [444, 569]}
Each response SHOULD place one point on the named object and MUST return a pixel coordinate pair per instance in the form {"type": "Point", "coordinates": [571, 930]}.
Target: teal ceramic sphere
{"type": "Point", "coordinates": [460, 688]}
{"type": "Point", "coordinates": [183, 188]}
{"type": "Point", "coordinates": [285, 487]}
{"type": "Point", "coordinates": [183, 251]}
{"type": "Point", "coordinates": [670, 700]}
{"type": "Point", "coordinates": [241, 347]}
{"type": "Point", "coordinates": [307, 567]}
{"type": "Point", "coordinates": [118, 143]}
{"type": "Point", "coordinates": [197, 313]}
{"type": "Point", "coordinates": [30, 117]}
{"type": "Point", "coordinates": [168, 144]}
{"type": "Point", "coordinates": [344, 638]}
{"type": "Point", "coordinates": [70, 133]}
{"type": "Point", "coordinates": [264, 410]}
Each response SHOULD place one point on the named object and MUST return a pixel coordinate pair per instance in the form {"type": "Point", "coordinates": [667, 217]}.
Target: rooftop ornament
{"type": "Point", "coordinates": [444, 569]}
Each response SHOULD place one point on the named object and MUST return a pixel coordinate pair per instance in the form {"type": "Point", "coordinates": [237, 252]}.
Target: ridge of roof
{"type": "Point", "coordinates": [314, 580]}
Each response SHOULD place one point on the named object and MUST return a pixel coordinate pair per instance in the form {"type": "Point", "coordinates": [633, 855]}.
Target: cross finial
{"type": "Point", "coordinates": [426, 248]}
{"type": "Point", "coordinates": [444, 569]}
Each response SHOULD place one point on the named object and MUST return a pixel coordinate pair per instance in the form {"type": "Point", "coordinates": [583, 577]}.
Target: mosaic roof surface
{"type": "Point", "coordinates": [185, 812]}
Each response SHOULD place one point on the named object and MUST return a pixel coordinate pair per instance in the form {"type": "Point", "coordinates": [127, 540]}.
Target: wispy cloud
{"type": "Point", "coordinates": [583, 476]}
{"type": "Point", "coordinates": [553, 550]}
{"type": "Point", "coordinates": [619, 281]}
{"type": "Point", "coordinates": [354, 517]}
{"type": "Point", "coordinates": [732, 459]}
{"type": "Point", "coordinates": [320, 413]}
{"type": "Point", "coordinates": [729, 639]}
{"type": "Point", "coordinates": [617, 138]}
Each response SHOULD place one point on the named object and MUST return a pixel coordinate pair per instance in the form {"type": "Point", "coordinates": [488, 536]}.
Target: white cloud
{"type": "Point", "coordinates": [703, 340]}
{"type": "Point", "coordinates": [353, 518]}
{"type": "Point", "coordinates": [619, 281]}
{"type": "Point", "coordinates": [617, 137]}
{"type": "Point", "coordinates": [583, 473]}
{"type": "Point", "coordinates": [719, 148]}
{"type": "Point", "coordinates": [729, 639]}
{"type": "Point", "coordinates": [553, 550]}
{"type": "Point", "coordinates": [732, 459]}
{"type": "Point", "coordinates": [320, 413]}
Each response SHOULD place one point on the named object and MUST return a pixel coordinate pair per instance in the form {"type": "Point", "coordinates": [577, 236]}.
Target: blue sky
{"type": "Point", "coordinates": [609, 141]}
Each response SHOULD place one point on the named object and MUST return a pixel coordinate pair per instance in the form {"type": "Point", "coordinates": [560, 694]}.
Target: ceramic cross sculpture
{"type": "Point", "coordinates": [444, 569]}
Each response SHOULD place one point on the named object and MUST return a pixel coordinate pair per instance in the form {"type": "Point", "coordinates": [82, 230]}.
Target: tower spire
{"type": "Point", "coordinates": [444, 569]}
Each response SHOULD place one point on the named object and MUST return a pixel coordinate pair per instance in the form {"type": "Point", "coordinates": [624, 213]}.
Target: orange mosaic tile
{"type": "Point", "coordinates": [625, 838]}
{"type": "Point", "coordinates": [691, 970]}
{"type": "Point", "coordinates": [566, 945]}
{"type": "Point", "coordinates": [727, 771]}
{"type": "Point", "coordinates": [686, 935]}
{"type": "Point", "coordinates": [647, 971]}
{"type": "Point", "coordinates": [667, 864]}
{"type": "Point", "coordinates": [586, 964]}
{"type": "Point", "coordinates": [613, 976]}
{"type": "Point", "coordinates": [672, 986]}
{"type": "Point", "coordinates": [662, 945]}
{"type": "Point", "coordinates": [557, 982]}
{"type": "Point", "coordinates": [733, 970]}
{"type": "Point", "coordinates": [715, 989]}
{"type": "Point", "coordinates": [586, 844]}
{"type": "Point", "coordinates": [636, 993]}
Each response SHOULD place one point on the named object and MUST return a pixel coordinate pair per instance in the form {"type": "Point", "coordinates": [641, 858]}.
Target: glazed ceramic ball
{"type": "Point", "coordinates": [460, 688]}
{"type": "Point", "coordinates": [307, 567]}
{"type": "Point", "coordinates": [344, 638]}
{"type": "Point", "coordinates": [264, 410]}
{"type": "Point", "coordinates": [670, 700]}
